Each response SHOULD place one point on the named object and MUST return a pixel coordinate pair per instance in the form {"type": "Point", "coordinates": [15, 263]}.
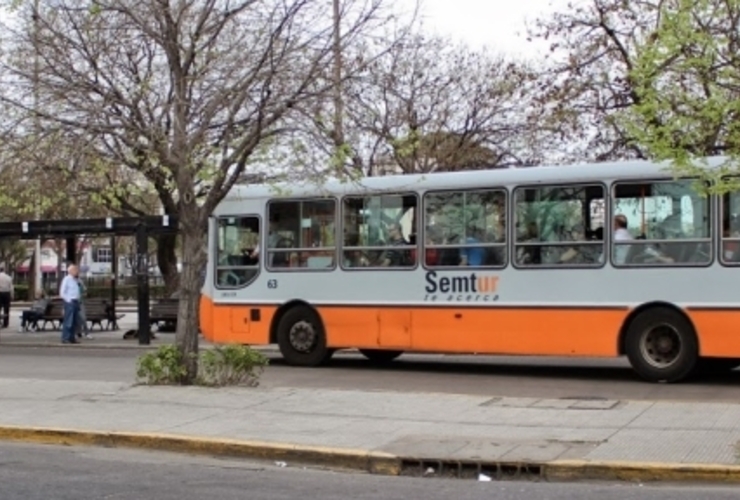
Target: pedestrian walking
{"type": "Point", "coordinates": [70, 294]}
{"type": "Point", "coordinates": [6, 295]}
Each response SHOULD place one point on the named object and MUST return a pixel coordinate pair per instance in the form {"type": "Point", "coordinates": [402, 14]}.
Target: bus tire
{"type": "Point", "coordinates": [380, 356]}
{"type": "Point", "coordinates": [302, 339]}
{"type": "Point", "coordinates": [661, 345]}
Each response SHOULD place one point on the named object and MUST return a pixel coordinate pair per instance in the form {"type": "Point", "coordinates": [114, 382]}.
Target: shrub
{"type": "Point", "coordinates": [220, 366]}
{"type": "Point", "coordinates": [161, 367]}
{"type": "Point", "coordinates": [231, 365]}
{"type": "Point", "coordinates": [20, 293]}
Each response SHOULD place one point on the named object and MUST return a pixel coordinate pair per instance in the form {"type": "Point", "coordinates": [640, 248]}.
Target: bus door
{"type": "Point", "coordinates": [237, 263]}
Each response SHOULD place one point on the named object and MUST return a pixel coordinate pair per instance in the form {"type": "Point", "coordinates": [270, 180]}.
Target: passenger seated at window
{"type": "Point", "coordinates": [395, 257]}
{"type": "Point", "coordinates": [580, 254]}
{"type": "Point", "coordinates": [432, 255]}
{"type": "Point", "coordinates": [449, 256]}
{"type": "Point", "coordinates": [284, 258]}
{"type": "Point", "coordinates": [354, 257]}
{"type": "Point", "coordinates": [530, 254]}
{"type": "Point", "coordinates": [473, 256]}
{"type": "Point", "coordinates": [272, 238]}
{"type": "Point", "coordinates": [730, 249]}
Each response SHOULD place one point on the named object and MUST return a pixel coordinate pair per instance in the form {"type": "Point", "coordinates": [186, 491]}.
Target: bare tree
{"type": "Point", "coordinates": [182, 92]}
{"type": "Point", "coordinates": [586, 80]}
{"type": "Point", "coordinates": [423, 105]}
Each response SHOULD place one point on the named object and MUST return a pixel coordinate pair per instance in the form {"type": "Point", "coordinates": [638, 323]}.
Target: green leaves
{"type": "Point", "coordinates": [687, 77]}
{"type": "Point", "coordinates": [220, 366]}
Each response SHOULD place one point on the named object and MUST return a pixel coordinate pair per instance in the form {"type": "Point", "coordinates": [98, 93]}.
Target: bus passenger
{"type": "Point", "coordinates": [473, 256]}
{"type": "Point", "coordinates": [354, 257]}
{"type": "Point", "coordinates": [431, 255]}
{"type": "Point", "coordinates": [273, 237]}
{"type": "Point", "coordinates": [730, 249]}
{"type": "Point", "coordinates": [621, 233]}
{"type": "Point", "coordinates": [397, 257]}
{"type": "Point", "coordinates": [530, 254]}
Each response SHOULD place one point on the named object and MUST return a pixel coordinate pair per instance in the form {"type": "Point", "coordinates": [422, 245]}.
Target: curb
{"type": "Point", "coordinates": [380, 463]}
{"type": "Point", "coordinates": [90, 345]}
{"type": "Point", "coordinates": [565, 470]}
{"type": "Point", "coordinates": [362, 460]}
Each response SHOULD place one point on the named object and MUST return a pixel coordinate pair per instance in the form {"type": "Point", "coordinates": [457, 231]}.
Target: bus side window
{"type": "Point", "coordinates": [378, 231]}
{"type": "Point", "coordinates": [730, 237]}
{"type": "Point", "coordinates": [465, 228]}
{"type": "Point", "coordinates": [667, 224]}
{"type": "Point", "coordinates": [237, 253]}
{"type": "Point", "coordinates": [553, 226]}
{"type": "Point", "coordinates": [302, 234]}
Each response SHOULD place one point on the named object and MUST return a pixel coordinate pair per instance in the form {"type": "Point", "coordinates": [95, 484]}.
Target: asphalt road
{"type": "Point", "coordinates": [30, 472]}
{"type": "Point", "coordinates": [478, 375]}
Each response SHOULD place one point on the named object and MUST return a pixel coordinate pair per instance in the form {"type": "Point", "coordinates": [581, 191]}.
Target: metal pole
{"type": "Point", "coordinates": [142, 282]}
{"type": "Point", "coordinates": [72, 250]}
{"type": "Point", "coordinates": [37, 283]}
{"type": "Point", "coordinates": [113, 278]}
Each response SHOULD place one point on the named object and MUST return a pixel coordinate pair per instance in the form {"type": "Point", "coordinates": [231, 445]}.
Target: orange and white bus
{"type": "Point", "coordinates": [594, 260]}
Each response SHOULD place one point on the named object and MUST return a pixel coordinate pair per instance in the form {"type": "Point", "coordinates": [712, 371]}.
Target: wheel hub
{"type": "Point", "coordinates": [303, 336]}
{"type": "Point", "coordinates": [661, 346]}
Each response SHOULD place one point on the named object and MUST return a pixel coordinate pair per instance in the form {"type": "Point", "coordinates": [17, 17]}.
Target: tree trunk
{"type": "Point", "coordinates": [32, 292]}
{"type": "Point", "coordinates": [167, 262]}
{"type": "Point", "coordinates": [193, 260]}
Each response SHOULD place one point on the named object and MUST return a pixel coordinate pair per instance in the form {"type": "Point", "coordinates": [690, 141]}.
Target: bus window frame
{"type": "Point", "coordinates": [415, 247]}
{"type": "Point", "coordinates": [216, 267]}
{"type": "Point", "coordinates": [720, 251]}
{"type": "Point", "coordinates": [266, 250]}
{"type": "Point", "coordinates": [504, 245]}
{"type": "Point", "coordinates": [645, 242]}
{"type": "Point", "coordinates": [514, 221]}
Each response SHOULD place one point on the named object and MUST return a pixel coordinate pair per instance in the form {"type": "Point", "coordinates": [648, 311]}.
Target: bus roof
{"type": "Point", "coordinates": [549, 174]}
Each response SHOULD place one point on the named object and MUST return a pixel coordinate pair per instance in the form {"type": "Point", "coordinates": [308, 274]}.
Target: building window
{"type": "Point", "coordinates": [302, 234]}
{"type": "Point", "coordinates": [379, 231]}
{"type": "Point", "coordinates": [465, 229]}
{"type": "Point", "coordinates": [664, 223]}
{"type": "Point", "coordinates": [103, 254]}
{"type": "Point", "coordinates": [237, 252]}
{"type": "Point", "coordinates": [558, 226]}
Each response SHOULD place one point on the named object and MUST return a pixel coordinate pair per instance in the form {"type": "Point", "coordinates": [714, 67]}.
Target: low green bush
{"type": "Point", "coordinates": [217, 367]}
{"type": "Point", "coordinates": [161, 367]}
{"type": "Point", "coordinates": [231, 365]}
{"type": "Point", "coordinates": [20, 293]}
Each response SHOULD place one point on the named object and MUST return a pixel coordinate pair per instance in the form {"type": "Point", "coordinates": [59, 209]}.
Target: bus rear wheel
{"type": "Point", "coordinates": [661, 345]}
{"type": "Point", "coordinates": [380, 356]}
{"type": "Point", "coordinates": [302, 339]}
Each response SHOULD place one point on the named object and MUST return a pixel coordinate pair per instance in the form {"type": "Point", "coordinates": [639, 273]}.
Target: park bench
{"type": "Point", "coordinates": [163, 313]}
{"type": "Point", "coordinates": [54, 314]}
{"type": "Point", "coordinates": [98, 310]}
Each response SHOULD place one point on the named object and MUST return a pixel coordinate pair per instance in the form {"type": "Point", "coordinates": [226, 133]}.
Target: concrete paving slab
{"type": "Point", "coordinates": [422, 425]}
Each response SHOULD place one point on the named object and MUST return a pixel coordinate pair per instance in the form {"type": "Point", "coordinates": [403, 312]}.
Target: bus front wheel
{"type": "Point", "coordinates": [661, 345]}
{"type": "Point", "coordinates": [380, 356]}
{"type": "Point", "coordinates": [302, 338]}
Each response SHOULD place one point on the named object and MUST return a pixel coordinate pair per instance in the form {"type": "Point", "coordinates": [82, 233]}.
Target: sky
{"type": "Point", "coordinates": [496, 24]}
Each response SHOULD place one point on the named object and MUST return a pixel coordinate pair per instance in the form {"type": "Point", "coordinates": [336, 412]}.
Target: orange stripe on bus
{"type": "Point", "coordinates": [570, 332]}
{"type": "Point", "coordinates": [522, 331]}
{"type": "Point", "coordinates": [719, 332]}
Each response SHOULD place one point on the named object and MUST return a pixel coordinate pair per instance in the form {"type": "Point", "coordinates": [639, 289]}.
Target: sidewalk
{"type": "Point", "coordinates": [389, 432]}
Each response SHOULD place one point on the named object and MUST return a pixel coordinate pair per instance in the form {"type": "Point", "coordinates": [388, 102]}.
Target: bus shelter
{"type": "Point", "coordinates": [139, 227]}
